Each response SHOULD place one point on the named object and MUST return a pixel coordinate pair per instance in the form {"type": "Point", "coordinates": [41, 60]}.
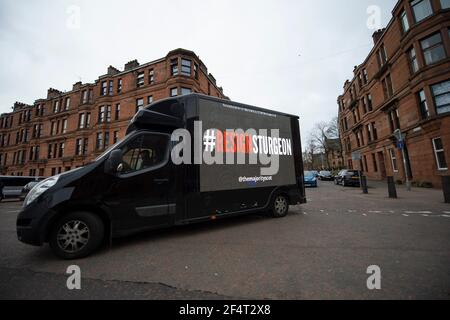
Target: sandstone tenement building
{"type": "Point", "coordinates": [68, 129]}
{"type": "Point", "coordinates": [404, 83]}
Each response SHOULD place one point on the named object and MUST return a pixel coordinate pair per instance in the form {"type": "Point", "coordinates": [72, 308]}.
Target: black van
{"type": "Point", "coordinates": [135, 184]}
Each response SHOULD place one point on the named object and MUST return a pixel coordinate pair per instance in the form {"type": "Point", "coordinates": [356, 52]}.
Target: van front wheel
{"type": "Point", "coordinates": [76, 235]}
{"type": "Point", "coordinates": [280, 206]}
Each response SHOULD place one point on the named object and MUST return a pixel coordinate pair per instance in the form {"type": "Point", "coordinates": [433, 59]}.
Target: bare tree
{"type": "Point", "coordinates": [321, 134]}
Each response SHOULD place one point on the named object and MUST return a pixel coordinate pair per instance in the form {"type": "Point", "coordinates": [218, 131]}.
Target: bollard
{"type": "Point", "coordinates": [391, 188]}
{"type": "Point", "coordinates": [364, 185]}
{"type": "Point", "coordinates": [446, 188]}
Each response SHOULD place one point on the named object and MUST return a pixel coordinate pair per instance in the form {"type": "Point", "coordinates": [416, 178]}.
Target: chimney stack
{"type": "Point", "coordinates": [377, 35]}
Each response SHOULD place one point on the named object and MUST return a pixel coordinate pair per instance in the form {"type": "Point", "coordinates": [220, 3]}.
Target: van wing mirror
{"type": "Point", "coordinates": [113, 164]}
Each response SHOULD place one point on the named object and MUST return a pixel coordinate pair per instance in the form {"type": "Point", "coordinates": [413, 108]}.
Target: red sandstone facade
{"type": "Point", "coordinates": [68, 129]}
{"type": "Point", "coordinates": [403, 84]}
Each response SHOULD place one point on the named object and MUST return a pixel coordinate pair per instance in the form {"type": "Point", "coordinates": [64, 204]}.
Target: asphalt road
{"type": "Point", "coordinates": [320, 251]}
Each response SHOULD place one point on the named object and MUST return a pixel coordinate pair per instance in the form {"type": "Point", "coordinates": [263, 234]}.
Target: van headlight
{"type": "Point", "coordinates": [39, 189]}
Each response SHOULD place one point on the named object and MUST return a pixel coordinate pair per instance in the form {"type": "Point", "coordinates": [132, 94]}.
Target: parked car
{"type": "Point", "coordinates": [315, 173]}
{"type": "Point", "coordinates": [12, 185]}
{"type": "Point", "coordinates": [347, 178]}
{"type": "Point", "coordinates": [310, 179]}
{"type": "Point", "coordinates": [27, 189]}
{"type": "Point", "coordinates": [325, 176]}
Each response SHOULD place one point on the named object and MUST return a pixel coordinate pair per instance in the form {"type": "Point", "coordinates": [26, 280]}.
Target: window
{"type": "Point", "coordinates": [433, 49]}
{"type": "Point", "coordinates": [382, 56]}
{"type": "Point", "coordinates": [101, 114]}
{"type": "Point", "coordinates": [117, 112]}
{"type": "Point", "coordinates": [404, 20]}
{"type": "Point", "coordinates": [106, 141]}
{"type": "Point", "coordinates": [64, 126]}
{"type": "Point", "coordinates": [151, 76]}
{"type": "Point", "coordinates": [423, 106]}
{"type": "Point", "coordinates": [393, 160]}
{"type": "Point", "coordinates": [413, 60]}
{"type": "Point", "coordinates": [140, 79]}
{"type": "Point", "coordinates": [139, 104]}
{"type": "Point", "coordinates": [67, 103]}
{"type": "Point", "coordinates": [149, 99]}
{"type": "Point", "coordinates": [374, 131]}
{"type": "Point", "coordinates": [369, 132]}
{"type": "Point", "coordinates": [440, 154]}
{"type": "Point", "coordinates": [99, 141]}
{"type": "Point", "coordinates": [84, 95]}
{"type": "Point", "coordinates": [119, 86]}
{"type": "Point", "coordinates": [81, 146]}
{"type": "Point", "coordinates": [421, 9]}
{"type": "Point", "coordinates": [441, 96]}
{"type": "Point", "coordinates": [108, 114]}
{"type": "Point", "coordinates": [369, 102]}
{"type": "Point", "coordinates": [366, 76]}
{"type": "Point", "coordinates": [78, 148]}
{"type": "Point", "coordinates": [185, 91]}
{"type": "Point", "coordinates": [173, 92]}
{"type": "Point", "coordinates": [174, 67]}
{"type": "Point", "coordinates": [185, 67]}
{"type": "Point", "coordinates": [394, 120]}
{"type": "Point", "coordinates": [61, 150]}
{"type": "Point", "coordinates": [445, 4]}
{"type": "Point", "coordinates": [56, 107]}
{"type": "Point", "coordinates": [49, 151]}
{"type": "Point", "coordinates": [104, 88]}
{"type": "Point", "coordinates": [88, 120]}
{"type": "Point", "coordinates": [365, 164]}
{"type": "Point", "coordinates": [85, 146]}
{"type": "Point", "coordinates": [53, 128]}
{"type": "Point", "coordinates": [115, 136]}
{"type": "Point", "coordinates": [374, 163]}
{"type": "Point", "coordinates": [387, 87]}
{"type": "Point", "coordinates": [144, 152]}
{"type": "Point", "coordinates": [111, 88]}
{"type": "Point", "coordinates": [195, 70]}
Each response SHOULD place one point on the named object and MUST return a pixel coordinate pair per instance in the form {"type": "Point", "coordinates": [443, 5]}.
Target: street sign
{"type": "Point", "coordinates": [400, 144]}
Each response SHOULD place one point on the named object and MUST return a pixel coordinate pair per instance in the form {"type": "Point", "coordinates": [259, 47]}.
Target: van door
{"type": "Point", "coordinates": [139, 193]}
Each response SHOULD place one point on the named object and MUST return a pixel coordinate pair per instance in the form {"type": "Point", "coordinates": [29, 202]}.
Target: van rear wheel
{"type": "Point", "coordinates": [280, 206]}
{"type": "Point", "coordinates": [76, 235]}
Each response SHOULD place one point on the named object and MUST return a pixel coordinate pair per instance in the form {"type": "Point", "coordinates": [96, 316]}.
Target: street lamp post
{"type": "Point", "coordinates": [401, 142]}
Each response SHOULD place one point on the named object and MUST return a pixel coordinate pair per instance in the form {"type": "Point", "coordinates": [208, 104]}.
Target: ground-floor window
{"type": "Point", "coordinates": [439, 153]}
{"type": "Point", "coordinates": [393, 160]}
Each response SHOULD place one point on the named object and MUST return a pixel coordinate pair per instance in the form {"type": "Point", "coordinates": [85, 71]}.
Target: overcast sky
{"type": "Point", "coordinates": [292, 56]}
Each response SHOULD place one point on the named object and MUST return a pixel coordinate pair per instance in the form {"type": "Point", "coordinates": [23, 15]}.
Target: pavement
{"type": "Point", "coordinates": [321, 250]}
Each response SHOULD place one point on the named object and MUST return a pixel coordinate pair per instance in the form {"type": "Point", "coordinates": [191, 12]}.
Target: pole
{"type": "Point", "coordinates": [408, 183]}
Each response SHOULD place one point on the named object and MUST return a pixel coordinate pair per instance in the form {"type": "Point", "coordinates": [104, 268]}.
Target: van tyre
{"type": "Point", "coordinates": [76, 235]}
{"type": "Point", "coordinates": [280, 206]}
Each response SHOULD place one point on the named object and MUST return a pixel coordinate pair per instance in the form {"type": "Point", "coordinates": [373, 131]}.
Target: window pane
{"type": "Point", "coordinates": [441, 88]}
{"type": "Point", "coordinates": [441, 160]}
{"type": "Point", "coordinates": [421, 9]}
{"type": "Point", "coordinates": [438, 144]}
{"type": "Point", "coordinates": [405, 23]}
{"type": "Point", "coordinates": [445, 4]}
{"type": "Point", "coordinates": [431, 41]}
{"type": "Point", "coordinates": [144, 152]}
{"type": "Point", "coordinates": [434, 55]}
{"type": "Point", "coordinates": [185, 91]}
